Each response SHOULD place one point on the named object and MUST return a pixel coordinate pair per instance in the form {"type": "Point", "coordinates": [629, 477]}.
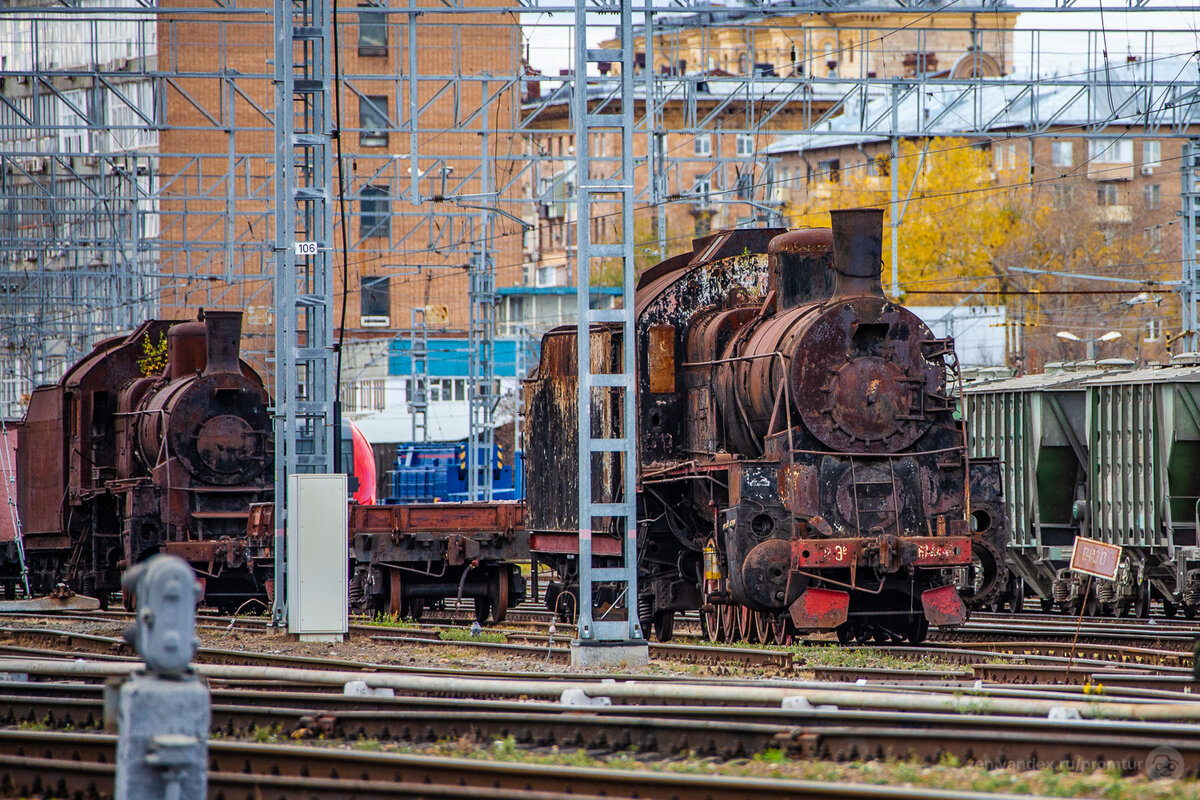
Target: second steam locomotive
{"type": "Point", "coordinates": [801, 464]}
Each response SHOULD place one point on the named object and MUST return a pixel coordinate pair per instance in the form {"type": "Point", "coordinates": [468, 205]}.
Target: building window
{"type": "Point", "coordinates": [702, 190]}
{"type": "Point", "coordinates": [372, 33]}
{"type": "Point", "coordinates": [1062, 155]}
{"type": "Point", "coordinates": [1152, 195]}
{"type": "Point", "coordinates": [1151, 154]}
{"type": "Point", "coordinates": [375, 299]}
{"type": "Point", "coordinates": [373, 120]}
{"type": "Point", "coordinates": [745, 145]}
{"type": "Point", "coordinates": [1062, 195]}
{"type": "Point", "coordinates": [1153, 238]}
{"type": "Point", "coordinates": [828, 171]}
{"type": "Point", "coordinates": [1154, 330]}
{"type": "Point", "coordinates": [1110, 151]}
{"type": "Point", "coordinates": [1108, 194]}
{"type": "Point", "coordinates": [375, 210]}
{"type": "Point", "coordinates": [702, 144]}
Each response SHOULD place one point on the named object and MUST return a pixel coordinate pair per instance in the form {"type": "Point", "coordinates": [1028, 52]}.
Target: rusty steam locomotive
{"type": "Point", "coordinates": [801, 466]}
{"type": "Point", "coordinates": [124, 458]}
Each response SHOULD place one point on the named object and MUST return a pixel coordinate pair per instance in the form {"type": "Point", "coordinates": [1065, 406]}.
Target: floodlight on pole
{"type": "Point", "coordinates": [1067, 336]}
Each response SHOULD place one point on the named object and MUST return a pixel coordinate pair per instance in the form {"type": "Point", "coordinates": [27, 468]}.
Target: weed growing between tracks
{"type": "Point", "coordinates": [949, 773]}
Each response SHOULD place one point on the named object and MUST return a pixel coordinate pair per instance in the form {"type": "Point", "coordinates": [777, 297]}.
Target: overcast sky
{"type": "Point", "coordinates": [1063, 49]}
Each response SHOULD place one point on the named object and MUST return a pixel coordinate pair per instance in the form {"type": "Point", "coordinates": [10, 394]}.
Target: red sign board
{"type": "Point", "coordinates": [1098, 559]}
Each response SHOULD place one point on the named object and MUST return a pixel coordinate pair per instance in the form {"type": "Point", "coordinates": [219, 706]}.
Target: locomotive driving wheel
{"type": "Point", "coordinates": [728, 629]}
{"type": "Point", "coordinates": [710, 622]}
{"type": "Point", "coordinates": [782, 630]}
{"type": "Point", "coordinates": [745, 624]}
{"type": "Point", "coordinates": [764, 630]}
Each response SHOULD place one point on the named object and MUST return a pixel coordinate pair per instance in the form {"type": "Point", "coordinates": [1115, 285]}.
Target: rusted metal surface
{"type": "Point", "coordinates": [943, 606]}
{"type": "Point", "coordinates": [8, 490]}
{"type": "Point", "coordinates": [820, 609]}
{"type": "Point", "coordinates": [117, 464]}
{"type": "Point", "coordinates": [500, 517]}
{"type": "Point", "coordinates": [569, 545]}
{"type": "Point", "coordinates": [799, 267]}
{"type": "Point", "coordinates": [660, 357]}
{"type": "Point", "coordinates": [920, 551]}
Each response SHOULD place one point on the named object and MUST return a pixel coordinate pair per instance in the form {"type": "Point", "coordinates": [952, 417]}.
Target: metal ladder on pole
{"type": "Point", "coordinates": [606, 183]}
{"type": "Point", "coordinates": [1190, 218]}
{"type": "Point", "coordinates": [304, 360]}
{"type": "Point", "coordinates": [8, 473]}
{"type": "Point", "coordinates": [418, 369]}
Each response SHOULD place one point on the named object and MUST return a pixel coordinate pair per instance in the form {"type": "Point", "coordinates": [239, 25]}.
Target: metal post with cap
{"type": "Point", "coordinates": [163, 711]}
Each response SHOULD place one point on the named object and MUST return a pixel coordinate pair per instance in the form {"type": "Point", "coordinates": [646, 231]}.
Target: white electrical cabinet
{"type": "Point", "coordinates": [317, 556]}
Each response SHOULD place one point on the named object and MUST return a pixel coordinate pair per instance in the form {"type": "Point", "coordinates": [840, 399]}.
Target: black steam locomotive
{"type": "Point", "coordinates": [801, 466]}
{"type": "Point", "coordinates": [125, 457]}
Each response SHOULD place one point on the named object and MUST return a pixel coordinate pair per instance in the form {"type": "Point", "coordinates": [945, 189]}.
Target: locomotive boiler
{"type": "Point", "coordinates": [801, 465]}
{"type": "Point", "coordinates": [124, 458]}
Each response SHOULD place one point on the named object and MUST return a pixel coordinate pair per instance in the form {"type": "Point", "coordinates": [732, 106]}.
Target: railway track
{"type": "Point", "coordinates": [82, 765]}
{"type": "Point", "coordinates": [720, 731]}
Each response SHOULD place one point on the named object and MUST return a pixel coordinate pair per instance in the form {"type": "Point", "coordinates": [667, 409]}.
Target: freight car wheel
{"type": "Point", "coordinates": [499, 596]}
{"type": "Point", "coordinates": [1169, 609]}
{"type": "Point", "coordinates": [663, 624]}
{"type": "Point", "coordinates": [845, 633]}
{"type": "Point", "coordinates": [395, 606]}
{"type": "Point", "coordinates": [918, 629]}
{"type": "Point", "coordinates": [1141, 606]}
{"type": "Point", "coordinates": [483, 607]}
{"type": "Point", "coordinates": [1017, 599]}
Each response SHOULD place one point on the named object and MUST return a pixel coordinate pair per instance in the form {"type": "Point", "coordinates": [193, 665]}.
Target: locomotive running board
{"type": "Point", "coordinates": [820, 609]}
{"type": "Point", "coordinates": [75, 602]}
{"type": "Point", "coordinates": [943, 606]}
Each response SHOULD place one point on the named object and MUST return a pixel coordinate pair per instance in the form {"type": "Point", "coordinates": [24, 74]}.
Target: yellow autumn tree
{"type": "Point", "coordinates": [955, 220]}
{"type": "Point", "coordinates": [973, 219]}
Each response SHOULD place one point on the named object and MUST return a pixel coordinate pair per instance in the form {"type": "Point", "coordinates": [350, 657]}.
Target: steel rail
{"type": "Point", "coordinates": [257, 764]}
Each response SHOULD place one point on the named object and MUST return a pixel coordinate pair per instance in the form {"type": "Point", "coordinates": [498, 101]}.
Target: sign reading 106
{"type": "Point", "coordinates": [306, 249]}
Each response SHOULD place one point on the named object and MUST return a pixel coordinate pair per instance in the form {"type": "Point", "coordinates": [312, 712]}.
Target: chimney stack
{"type": "Point", "coordinates": [857, 252]}
{"type": "Point", "coordinates": [224, 332]}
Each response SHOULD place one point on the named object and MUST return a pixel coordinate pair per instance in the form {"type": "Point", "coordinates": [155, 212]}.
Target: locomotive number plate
{"type": "Point", "coordinates": [946, 551]}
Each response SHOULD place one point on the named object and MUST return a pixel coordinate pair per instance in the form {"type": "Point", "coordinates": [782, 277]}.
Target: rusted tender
{"type": "Point", "coordinates": [800, 464]}
{"type": "Point", "coordinates": [121, 460]}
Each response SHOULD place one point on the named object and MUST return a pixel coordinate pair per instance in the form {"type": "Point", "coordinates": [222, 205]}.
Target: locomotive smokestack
{"type": "Point", "coordinates": [224, 332]}
{"type": "Point", "coordinates": [857, 252]}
